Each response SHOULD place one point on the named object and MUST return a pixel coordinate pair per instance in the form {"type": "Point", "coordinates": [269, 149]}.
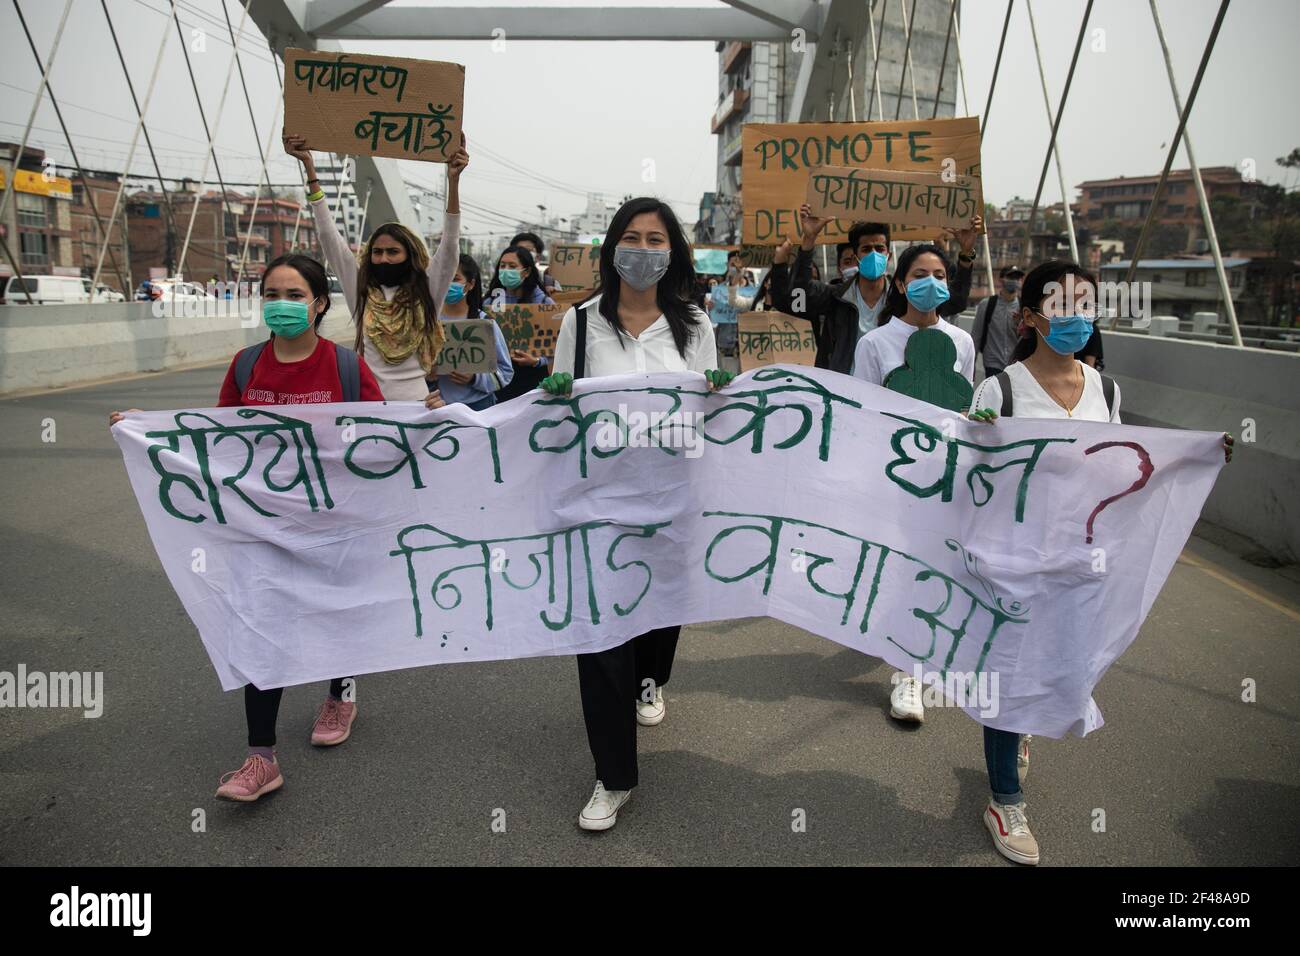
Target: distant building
{"type": "Point", "coordinates": [1184, 286]}
{"type": "Point", "coordinates": [1125, 201]}
{"type": "Point", "coordinates": [595, 220]}
{"type": "Point", "coordinates": [37, 221]}
{"type": "Point", "coordinates": [347, 208]}
{"type": "Point", "coordinates": [86, 238]}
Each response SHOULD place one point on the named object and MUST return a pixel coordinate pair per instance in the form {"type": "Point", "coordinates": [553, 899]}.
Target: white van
{"type": "Point", "coordinates": [46, 290]}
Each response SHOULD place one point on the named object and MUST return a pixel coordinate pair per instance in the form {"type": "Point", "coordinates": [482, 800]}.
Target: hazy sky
{"type": "Point", "coordinates": [586, 115]}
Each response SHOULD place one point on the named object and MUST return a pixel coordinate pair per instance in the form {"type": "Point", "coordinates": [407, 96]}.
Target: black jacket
{"type": "Point", "coordinates": [835, 318]}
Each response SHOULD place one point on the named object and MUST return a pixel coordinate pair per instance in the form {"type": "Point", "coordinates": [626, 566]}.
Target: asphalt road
{"type": "Point", "coordinates": [763, 719]}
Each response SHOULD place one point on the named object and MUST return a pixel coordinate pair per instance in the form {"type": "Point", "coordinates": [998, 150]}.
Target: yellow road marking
{"type": "Point", "coordinates": [1239, 585]}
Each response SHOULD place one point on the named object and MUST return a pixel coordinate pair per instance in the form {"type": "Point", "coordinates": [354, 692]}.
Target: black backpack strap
{"type": "Point", "coordinates": [245, 359]}
{"type": "Point", "coordinates": [990, 304]}
{"type": "Point", "coordinates": [580, 344]}
{"type": "Point", "coordinates": [349, 372]}
{"type": "Point", "coordinates": [1004, 383]}
{"type": "Point", "coordinates": [1108, 389]}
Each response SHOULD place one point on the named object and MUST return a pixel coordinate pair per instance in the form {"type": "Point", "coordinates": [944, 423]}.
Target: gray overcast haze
{"type": "Point", "coordinates": [587, 114]}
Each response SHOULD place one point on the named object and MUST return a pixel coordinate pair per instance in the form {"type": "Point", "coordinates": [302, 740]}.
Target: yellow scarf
{"type": "Point", "coordinates": [396, 329]}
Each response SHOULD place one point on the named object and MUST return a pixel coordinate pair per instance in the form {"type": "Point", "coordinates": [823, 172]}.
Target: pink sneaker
{"type": "Point", "coordinates": [333, 723]}
{"type": "Point", "coordinates": [256, 778]}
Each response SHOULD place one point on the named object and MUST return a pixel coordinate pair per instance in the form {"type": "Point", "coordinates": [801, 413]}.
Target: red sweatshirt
{"type": "Point", "coordinates": [313, 380]}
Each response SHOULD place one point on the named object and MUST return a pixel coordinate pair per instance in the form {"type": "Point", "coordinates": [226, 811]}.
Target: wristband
{"type": "Point", "coordinates": [318, 194]}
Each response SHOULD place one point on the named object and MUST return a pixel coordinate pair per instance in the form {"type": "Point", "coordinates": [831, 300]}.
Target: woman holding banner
{"type": "Point", "coordinates": [1042, 383]}
{"type": "Point", "coordinates": [295, 362]}
{"type": "Point", "coordinates": [396, 290]}
{"type": "Point", "coordinates": [640, 319]}
{"type": "Point", "coordinates": [464, 300]}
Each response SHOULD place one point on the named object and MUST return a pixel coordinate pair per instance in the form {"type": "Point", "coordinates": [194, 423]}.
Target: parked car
{"type": "Point", "coordinates": [102, 293]}
{"type": "Point", "coordinates": [45, 290]}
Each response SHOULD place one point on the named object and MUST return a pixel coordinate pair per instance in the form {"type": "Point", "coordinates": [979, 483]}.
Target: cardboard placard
{"type": "Point", "coordinates": [361, 105]}
{"type": "Point", "coordinates": [774, 338]}
{"type": "Point", "coordinates": [779, 158]}
{"type": "Point", "coordinates": [533, 328]}
{"type": "Point", "coordinates": [570, 296]}
{"type": "Point", "coordinates": [575, 266]}
{"type": "Point", "coordinates": [894, 196]}
{"type": "Point", "coordinates": [470, 347]}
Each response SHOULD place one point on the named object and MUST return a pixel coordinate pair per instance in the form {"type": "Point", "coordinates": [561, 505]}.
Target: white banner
{"type": "Point", "coordinates": [316, 541]}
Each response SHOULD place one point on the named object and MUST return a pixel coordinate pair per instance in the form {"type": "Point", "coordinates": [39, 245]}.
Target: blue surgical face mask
{"type": "Point", "coordinates": [927, 294]}
{"type": "Point", "coordinates": [511, 278]}
{"type": "Point", "coordinates": [872, 265]}
{"type": "Point", "coordinates": [285, 317]}
{"type": "Point", "coordinates": [455, 292]}
{"type": "Point", "coordinates": [1069, 334]}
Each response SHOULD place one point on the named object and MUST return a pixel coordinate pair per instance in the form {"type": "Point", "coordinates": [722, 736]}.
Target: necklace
{"type": "Point", "coordinates": [1069, 409]}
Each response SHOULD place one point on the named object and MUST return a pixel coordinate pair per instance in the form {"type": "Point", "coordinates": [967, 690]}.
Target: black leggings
{"type": "Point", "coordinates": [262, 706]}
{"type": "Point", "coordinates": [611, 683]}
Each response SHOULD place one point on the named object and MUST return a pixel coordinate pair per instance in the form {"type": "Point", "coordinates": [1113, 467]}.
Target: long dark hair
{"type": "Point", "coordinates": [673, 292]}
{"type": "Point", "coordinates": [311, 270]}
{"type": "Point", "coordinates": [416, 286]}
{"type": "Point", "coordinates": [532, 278]}
{"type": "Point", "coordinates": [1034, 290]}
{"type": "Point", "coordinates": [473, 297]}
{"type": "Point", "coordinates": [896, 305]}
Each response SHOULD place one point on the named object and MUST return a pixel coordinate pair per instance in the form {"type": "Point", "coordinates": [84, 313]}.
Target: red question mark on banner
{"type": "Point", "coordinates": [1145, 469]}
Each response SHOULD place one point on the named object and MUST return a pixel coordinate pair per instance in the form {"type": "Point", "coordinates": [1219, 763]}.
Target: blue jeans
{"type": "Point", "coordinates": [1001, 748]}
{"type": "Point", "coordinates": [485, 402]}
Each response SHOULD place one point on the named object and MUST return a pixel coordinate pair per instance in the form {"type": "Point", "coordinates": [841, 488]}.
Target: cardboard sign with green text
{"type": "Point", "coordinates": [575, 266]}
{"type": "Point", "coordinates": [779, 158]}
{"type": "Point", "coordinates": [884, 195]}
{"type": "Point", "coordinates": [363, 105]}
{"type": "Point", "coordinates": [470, 347]}
{"type": "Point", "coordinates": [774, 338]}
{"type": "Point", "coordinates": [533, 328]}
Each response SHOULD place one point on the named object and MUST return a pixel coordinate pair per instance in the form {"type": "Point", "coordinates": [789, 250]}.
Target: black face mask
{"type": "Point", "coordinates": [390, 273]}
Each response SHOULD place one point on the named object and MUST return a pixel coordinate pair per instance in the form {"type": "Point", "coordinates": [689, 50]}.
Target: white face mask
{"type": "Point", "coordinates": [849, 273]}
{"type": "Point", "coordinates": [640, 268]}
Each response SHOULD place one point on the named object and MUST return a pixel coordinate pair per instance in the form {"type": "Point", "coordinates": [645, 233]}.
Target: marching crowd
{"type": "Point", "coordinates": [1041, 356]}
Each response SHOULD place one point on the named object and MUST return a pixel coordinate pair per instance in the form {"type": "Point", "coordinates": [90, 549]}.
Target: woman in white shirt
{"type": "Point", "coordinates": [1057, 306]}
{"type": "Point", "coordinates": [641, 319]}
{"type": "Point", "coordinates": [395, 290]}
{"type": "Point", "coordinates": [920, 281]}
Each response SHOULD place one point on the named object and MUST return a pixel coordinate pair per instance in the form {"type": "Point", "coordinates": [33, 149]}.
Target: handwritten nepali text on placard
{"type": "Point", "coordinates": [575, 266]}
{"type": "Point", "coordinates": [778, 158]}
{"type": "Point", "coordinates": [883, 195]}
{"type": "Point", "coordinates": [374, 105]}
{"type": "Point", "coordinates": [774, 338]}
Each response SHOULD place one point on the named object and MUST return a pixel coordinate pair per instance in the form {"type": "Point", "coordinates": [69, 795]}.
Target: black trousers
{"type": "Point", "coordinates": [261, 707]}
{"type": "Point", "coordinates": [611, 684]}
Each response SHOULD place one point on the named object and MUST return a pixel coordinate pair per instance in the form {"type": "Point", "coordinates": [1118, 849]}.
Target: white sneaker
{"type": "Point", "coordinates": [905, 701]}
{"type": "Point", "coordinates": [1022, 757]}
{"type": "Point", "coordinates": [647, 715]}
{"type": "Point", "coordinates": [1010, 829]}
{"type": "Point", "coordinates": [601, 811]}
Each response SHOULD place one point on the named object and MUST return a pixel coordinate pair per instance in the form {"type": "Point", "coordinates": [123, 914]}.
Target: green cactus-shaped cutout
{"type": "Point", "coordinates": [927, 372]}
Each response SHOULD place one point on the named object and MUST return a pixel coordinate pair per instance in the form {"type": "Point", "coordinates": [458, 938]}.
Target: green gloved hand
{"type": "Point", "coordinates": [986, 415]}
{"type": "Point", "coordinates": [718, 378]}
{"type": "Point", "coordinates": [561, 383]}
